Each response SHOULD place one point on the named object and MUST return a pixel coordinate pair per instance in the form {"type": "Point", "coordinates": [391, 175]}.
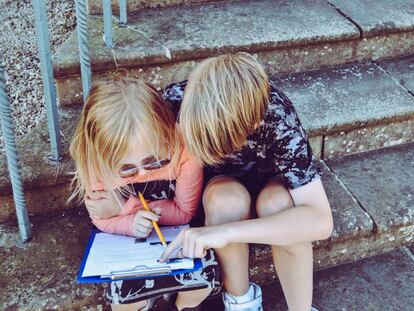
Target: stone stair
{"type": "Point", "coordinates": [287, 36]}
{"type": "Point", "coordinates": [348, 68]}
{"type": "Point", "coordinates": [95, 6]}
{"type": "Point", "coordinates": [345, 109]}
{"type": "Point", "coordinates": [373, 207]}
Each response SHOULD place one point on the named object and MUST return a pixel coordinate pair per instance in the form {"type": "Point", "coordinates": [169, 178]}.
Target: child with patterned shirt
{"type": "Point", "coordinates": [256, 152]}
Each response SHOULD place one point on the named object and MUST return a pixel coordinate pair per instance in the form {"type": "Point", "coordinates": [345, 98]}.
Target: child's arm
{"type": "Point", "coordinates": [291, 226]}
{"type": "Point", "coordinates": [183, 207]}
{"type": "Point", "coordinates": [137, 223]}
{"type": "Point", "coordinates": [102, 204]}
{"type": "Point", "coordinates": [129, 219]}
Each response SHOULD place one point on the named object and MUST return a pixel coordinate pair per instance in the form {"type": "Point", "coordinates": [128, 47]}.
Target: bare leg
{"type": "Point", "coordinates": [130, 306]}
{"type": "Point", "coordinates": [192, 298]}
{"type": "Point", "coordinates": [293, 263]}
{"type": "Point", "coordinates": [185, 299]}
{"type": "Point", "coordinates": [226, 200]}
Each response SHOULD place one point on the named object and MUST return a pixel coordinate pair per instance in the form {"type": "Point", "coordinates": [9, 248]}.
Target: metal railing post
{"type": "Point", "coordinates": [85, 61]}
{"type": "Point", "coordinates": [13, 161]}
{"type": "Point", "coordinates": [107, 15]}
{"type": "Point", "coordinates": [123, 19]}
{"type": "Point", "coordinates": [47, 77]}
{"type": "Point", "coordinates": [107, 10]}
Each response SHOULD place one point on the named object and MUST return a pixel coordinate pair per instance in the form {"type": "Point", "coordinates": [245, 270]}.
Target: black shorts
{"type": "Point", "coordinates": [250, 181]}
{"type": "Point", "coordinates": [130, 291]}
{"type": "Point", "coordinates": [252, 184]}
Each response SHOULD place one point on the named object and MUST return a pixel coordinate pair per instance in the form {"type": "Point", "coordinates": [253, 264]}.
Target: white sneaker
{"type": "Point", "coordinates": [255, 304]}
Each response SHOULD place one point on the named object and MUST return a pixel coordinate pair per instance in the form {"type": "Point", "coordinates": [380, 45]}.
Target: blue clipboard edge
{"type": "Point", "coordinates": [97, 279]}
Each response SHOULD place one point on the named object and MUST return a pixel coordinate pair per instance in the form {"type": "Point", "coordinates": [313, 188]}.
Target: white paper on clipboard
{"type": "Point", "coordinates": [110, 252]}
{"type": "Point", "coordinates": [169, 233]}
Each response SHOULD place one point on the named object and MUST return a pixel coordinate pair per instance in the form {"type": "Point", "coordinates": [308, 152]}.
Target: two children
{"type": "Point", "coordinates": [258, 163]}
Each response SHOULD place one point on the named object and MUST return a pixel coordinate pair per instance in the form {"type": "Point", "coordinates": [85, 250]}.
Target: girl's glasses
{"type": "Point", "coordinates": [131, 170]}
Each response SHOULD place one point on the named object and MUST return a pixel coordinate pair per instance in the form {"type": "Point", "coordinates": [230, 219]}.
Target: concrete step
{"type": "Point", "coordinates": [380, 282]}
{"type": "Point", "coordinates": [344, 109]}
{"type": "Point", "coordinates": [95, 6]}
{"type": "Point", "coordinates": [286, 36]}
{"type": "Point", "coordinates": [354, 107]}
{"type": "Point", "coordinates": [46, 183]}
{"type": "Point", "coordinates": [373, 213]}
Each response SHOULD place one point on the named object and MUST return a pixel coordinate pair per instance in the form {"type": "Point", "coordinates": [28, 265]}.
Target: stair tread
{"type": "Point", "coordinates": [343, 97]}
{"type": "Point", "coordinates": [381, 181]}
{"type": "Point", "coordinates": [197, 31]}
{"type": "Point", "coordinates": [328, 100]}
{"type": "Point", "coordinates": [376, 17]}
{"type": "Point", "coordinates": [44, 273]}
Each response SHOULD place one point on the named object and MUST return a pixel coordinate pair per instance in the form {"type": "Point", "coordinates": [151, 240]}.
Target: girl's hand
{"type": "Point", "coordinates": [195, 242]}
{"type": "Point", "coordinates": [103, 204]}
{"type": "Point", "coordinates": [142, 224]}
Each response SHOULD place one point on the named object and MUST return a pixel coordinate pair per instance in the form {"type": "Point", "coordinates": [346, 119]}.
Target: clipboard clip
{"type": "Point", "coordinates": [138, 271]}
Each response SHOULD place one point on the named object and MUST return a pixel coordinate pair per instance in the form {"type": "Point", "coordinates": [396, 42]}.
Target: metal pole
{"type": "Point", "coordinates": [13, 161]}
{"type": "Point", "coordinates": [47, 77]}
{"type": "Point", "coordinates": [122, 13]}
{"type": "Point", "coordinates": [107, 14]}
{"type": "Point", "coordinates": [85, 61]}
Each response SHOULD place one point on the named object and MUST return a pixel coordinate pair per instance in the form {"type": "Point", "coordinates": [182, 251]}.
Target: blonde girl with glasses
{"type": "Point", "coordinates": [262, 183]}
{"type": "Point", "coordinates": [127, 142]}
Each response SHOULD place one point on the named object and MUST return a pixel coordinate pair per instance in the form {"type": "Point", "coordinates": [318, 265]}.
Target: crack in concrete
{"type": "Point", "coordinates": [322, 156]}
{"type": "Point", "coordinates": [393, 78]}
{"type": "Point", "coordinates": [408, 252]}
{"type": "Point", "coordinates": [361, 33]}
{"type": "Point", "coordinates": [366, 212]}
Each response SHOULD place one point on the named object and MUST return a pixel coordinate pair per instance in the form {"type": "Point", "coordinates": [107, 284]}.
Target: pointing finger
{"type": "Point", "coordinates": [173, 246]}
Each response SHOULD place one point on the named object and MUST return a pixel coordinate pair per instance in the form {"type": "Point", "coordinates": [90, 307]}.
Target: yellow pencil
{"type": "Point", "coordinates": [157, 229]}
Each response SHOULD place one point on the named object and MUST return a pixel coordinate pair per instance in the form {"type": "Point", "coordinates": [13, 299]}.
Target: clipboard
{"type": "Point", "coordinates": [135, 273]}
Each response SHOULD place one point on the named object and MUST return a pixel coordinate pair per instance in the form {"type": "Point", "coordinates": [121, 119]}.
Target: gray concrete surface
{"type": "Point", "coordinates": [193, 32]}
{"type": "Point", "coordinates": [346, 97]}
{"type": "Point", "coordinates": [383, 282]}
{"type": "Point", "coordinates": [42, 276]}
{"type": "Point", "coordinates": [345, 109]}
{"type": "Point", "coordinates": [46, 182]}
{"type": "Point", "coordinates": [287, 36]}
{"type": "Point", "coordinates": [376, 17]}
{"type": "Point", "coordinates": [95, 6]}
{"type": "Point", "coordinates": [401, 70]}
{"type": "Point", "coordinates": [381, 182]}
{"type": "Point", "coordinates": [368, 138]}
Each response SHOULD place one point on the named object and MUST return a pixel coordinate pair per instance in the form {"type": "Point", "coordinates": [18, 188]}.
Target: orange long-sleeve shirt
{"type": "Point", "coordinates": [185, 181]}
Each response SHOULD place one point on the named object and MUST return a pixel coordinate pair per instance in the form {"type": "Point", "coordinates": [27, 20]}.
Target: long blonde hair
{"type": "Point", "coordinates": [224, 100]}
{"type": "Point", "coordinates": [115, 112]}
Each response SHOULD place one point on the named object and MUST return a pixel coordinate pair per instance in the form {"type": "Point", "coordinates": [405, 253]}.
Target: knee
{"type": "Point", "coordinates": [273, 199]}
{"type": "Point", "coordinates": [225, 202]}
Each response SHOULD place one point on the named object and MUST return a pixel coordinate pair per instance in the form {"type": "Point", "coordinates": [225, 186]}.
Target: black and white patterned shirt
{"type": "Point", "coordinates": [278, 146]}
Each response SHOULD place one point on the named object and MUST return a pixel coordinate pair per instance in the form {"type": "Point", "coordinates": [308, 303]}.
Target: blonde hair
{"type": "Point", "coordinates": [115, 112]}
{"type": "Point", "coordinates": [224, 100]}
